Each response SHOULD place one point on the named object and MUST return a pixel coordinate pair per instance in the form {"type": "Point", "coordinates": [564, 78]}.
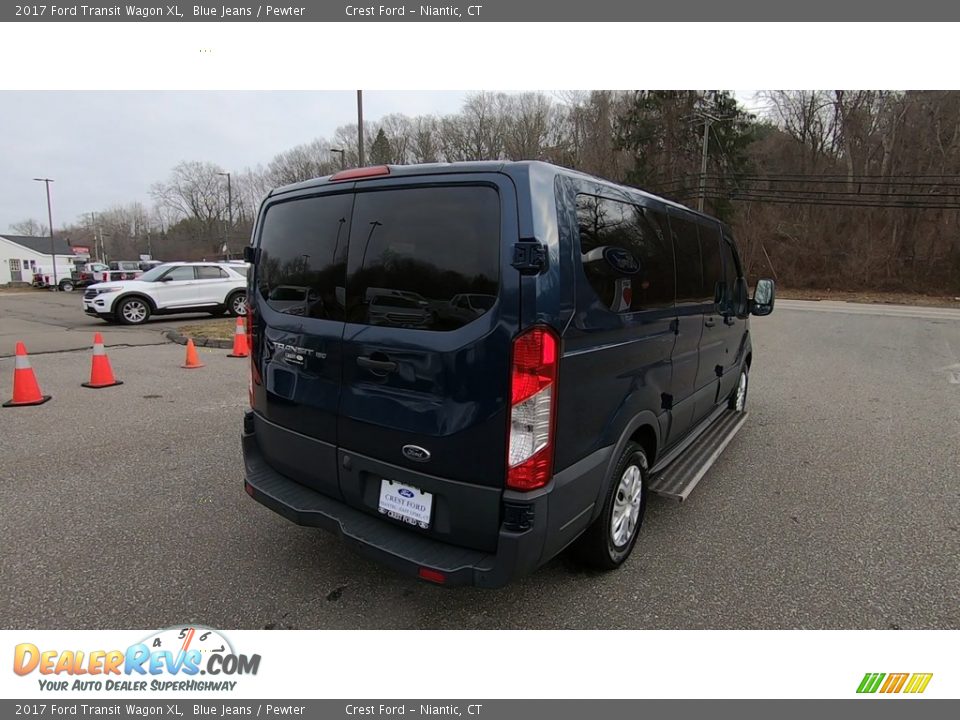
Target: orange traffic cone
{"type": "Point", "coordinates": [26, 391]}
{"type": "Point", "coordinates": [192, 360]}
{"type": "Point", "coordinates": [241, 348]}
{"type": "Point", "coordinates": [101, 374]}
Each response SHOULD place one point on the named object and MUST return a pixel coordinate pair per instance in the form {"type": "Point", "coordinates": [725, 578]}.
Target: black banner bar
{"type": "Point", "coordinates": [482, 11]}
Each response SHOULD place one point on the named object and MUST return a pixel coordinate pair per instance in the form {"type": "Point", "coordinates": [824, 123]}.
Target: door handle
{"type": "Point", "coordinates": [371, 363]}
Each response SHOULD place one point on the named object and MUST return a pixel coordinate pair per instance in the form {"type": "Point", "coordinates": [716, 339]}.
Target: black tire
{"type": "Point", "coordinates": [597, 547]}
{"type": "Point", "coordinates": [733, 402]}
{"type": "Point", "coordinates": [240, 296]}
{"type": "Point", "coordinates": [133, 311]}
{"type": "Point", "coordinates": [66, 286]}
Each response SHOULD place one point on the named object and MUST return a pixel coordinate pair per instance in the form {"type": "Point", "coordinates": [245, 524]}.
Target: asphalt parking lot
{"type": "Point", "coordinates": [54, 322]}
{"type": "Point", "coordinates": [837, 505]}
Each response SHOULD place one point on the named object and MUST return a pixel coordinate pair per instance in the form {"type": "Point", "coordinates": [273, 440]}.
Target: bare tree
{"type": "Point", "coordinates": [29, 228]}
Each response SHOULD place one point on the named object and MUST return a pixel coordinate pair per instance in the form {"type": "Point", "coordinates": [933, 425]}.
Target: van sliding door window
{"type": "Point", "coordinates": [303, 251]}
{"type": "Point", "coordinates": [626, 254]}
{"type": "Point", "coordinates": [712, 264]}
{"type": "Point", "coordinates": [424, 258]}
{"type": "Point", "coordinates": [686, 242]}
{"type": "Point", "coordinates": [730, 275]}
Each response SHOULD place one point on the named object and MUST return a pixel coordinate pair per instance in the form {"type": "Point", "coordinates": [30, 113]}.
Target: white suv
{"type": "Point", "coordinates": [214, 287]}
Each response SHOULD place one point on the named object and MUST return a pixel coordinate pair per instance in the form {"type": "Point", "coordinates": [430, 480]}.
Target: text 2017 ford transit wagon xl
{"type": "Point", "coordinates": [463, 369]}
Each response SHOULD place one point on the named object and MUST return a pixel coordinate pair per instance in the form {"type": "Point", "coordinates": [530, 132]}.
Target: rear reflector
{"type": "Point", "coordinates": [533, 383]}
{"type": "Point", "coordinates": [364, 172]}
{"type": "Point", "coordinates": [248, 488]}
{"type": "Point", "coordinates": [434, 576]}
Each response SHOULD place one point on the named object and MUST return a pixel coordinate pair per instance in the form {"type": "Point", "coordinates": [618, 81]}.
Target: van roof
{"type": "Point", "coordinates": [492, 166]}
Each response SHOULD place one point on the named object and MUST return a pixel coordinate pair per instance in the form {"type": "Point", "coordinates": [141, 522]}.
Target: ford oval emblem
{"type": "Point", "coordinates": [406, 493]}
{"type": "Point", "coordinates": [416, 453]}
{"type": "Point", "coordinates": [621, 260]}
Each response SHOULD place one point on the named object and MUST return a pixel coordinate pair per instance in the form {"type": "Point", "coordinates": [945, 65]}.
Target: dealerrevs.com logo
{"type": "Point", "coordinates": [171, 659]}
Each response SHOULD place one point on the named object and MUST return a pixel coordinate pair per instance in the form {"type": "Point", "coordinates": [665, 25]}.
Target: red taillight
{"type": "Point", "coordinates": [533, 402]}
{"type": "Point", "coordinates": [364, 172]}
{"type": "Point", "coordinates": [434, 576]}
{"type": "Point", "coordinates": [248, 488]}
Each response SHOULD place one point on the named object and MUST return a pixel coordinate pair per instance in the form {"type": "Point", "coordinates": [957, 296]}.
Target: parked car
{"type": "Point", "coordinates": [466, 306]}
{"type": "Point", "coordinates": [125, 270]}
{"type": "Point", "coordinates": [605, 355]}
{"type": "Point", "coordinates": [399, 309]}
{"type": "Point", "coordinates": [216, 288]}
{"type": "Point", "coordinates": [83, 275]}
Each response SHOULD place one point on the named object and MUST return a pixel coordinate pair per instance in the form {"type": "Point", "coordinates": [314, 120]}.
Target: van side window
{"type": "Point", "coordinates": [686, 244]}
{"type": "Point", "coordinates": [626, 256]}
{"type": "Point", "coordinates": [730, 274]}
{"type": "Point", "coordinates": [303, 256]}
{"type": "Point", "coordinates": [424, 258]}
{"type": "Point", "coordinates": [712, 264]}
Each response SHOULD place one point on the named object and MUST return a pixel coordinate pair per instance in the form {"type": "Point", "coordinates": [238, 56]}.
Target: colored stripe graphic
{"type": "Point", "coordinates": [918, 682]}
{"type": "Point", "coordinates": [870, 682]}
{"type": "Point", "coordinates": [894, 683]}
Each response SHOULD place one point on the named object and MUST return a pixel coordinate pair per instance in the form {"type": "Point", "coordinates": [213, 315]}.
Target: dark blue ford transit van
{"type": "Point", "coordinates": [463, 369]}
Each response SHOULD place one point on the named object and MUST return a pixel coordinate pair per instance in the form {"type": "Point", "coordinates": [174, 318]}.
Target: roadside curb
{"type": "Point", "coordinates": [174, 336]}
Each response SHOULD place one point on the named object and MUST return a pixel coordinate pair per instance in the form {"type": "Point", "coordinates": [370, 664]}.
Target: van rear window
{"type": "Point", "coordinates": [303, 253]}
{"type": "Point", "coordinates": [415, 253]}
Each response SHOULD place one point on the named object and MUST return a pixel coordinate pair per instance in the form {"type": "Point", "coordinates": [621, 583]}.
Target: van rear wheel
{"type": "Point", "coordinates": [609, 541]}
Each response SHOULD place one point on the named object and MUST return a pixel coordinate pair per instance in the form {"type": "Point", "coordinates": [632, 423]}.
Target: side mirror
{"type": "Point", "coordinates": [250, 254]}
{"type": "Point", "coordinates": [763, 297]}
{"type": "Point", "coordinates": [166, 278]}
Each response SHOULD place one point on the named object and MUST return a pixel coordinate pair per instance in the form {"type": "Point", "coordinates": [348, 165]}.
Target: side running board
{"type": "Point", "coordinates": [678, 479]}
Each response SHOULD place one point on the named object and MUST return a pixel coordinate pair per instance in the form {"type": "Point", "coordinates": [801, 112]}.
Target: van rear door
{"type": "Point", "coordinates": [297, 302]}
{"type": "Point", "coordinates": [425, 398]}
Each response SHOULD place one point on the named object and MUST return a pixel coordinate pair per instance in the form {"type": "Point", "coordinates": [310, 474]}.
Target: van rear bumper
{"type": "Point", "coordinates": [518, 551]}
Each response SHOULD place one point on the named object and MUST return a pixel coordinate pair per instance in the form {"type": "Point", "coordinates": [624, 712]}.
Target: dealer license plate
{"type": "Point", "coordinates": [405, 502]}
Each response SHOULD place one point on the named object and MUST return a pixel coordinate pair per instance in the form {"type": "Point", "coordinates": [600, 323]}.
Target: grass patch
{"type": "Point", "coordinates": [21, 290]}
{"type": "Point", "coordinates": [219, 329]}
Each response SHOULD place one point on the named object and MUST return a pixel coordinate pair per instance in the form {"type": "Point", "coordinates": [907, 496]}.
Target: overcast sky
{"type": "Point", "coordinates": [107, 148]}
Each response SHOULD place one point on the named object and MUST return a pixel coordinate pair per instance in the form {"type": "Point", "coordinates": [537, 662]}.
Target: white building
{"type": "Point", "coordinates": [22, 256]}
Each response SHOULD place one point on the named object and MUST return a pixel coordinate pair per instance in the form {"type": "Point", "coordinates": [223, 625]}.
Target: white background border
{"type": "Point", "coordinates": [476, 56]}
{"type": "Point", "coordinates": [540, 664]}
{"type": "Point", "coordinates": [270, 56]}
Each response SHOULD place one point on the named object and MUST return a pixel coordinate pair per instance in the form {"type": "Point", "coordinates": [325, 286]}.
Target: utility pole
{"type": "Point", "coordinates": [343, 157]}
{"type": "Point", "coordinates": [226, 239]}
{"type": "Point", "coordinates": [53, 253]}
{"type": "Point", "coordinates": [703, 163]}
{"type": "Point", "coordinates": [360, 126]}
{"type": "Point", "coordinates": [708, 121]}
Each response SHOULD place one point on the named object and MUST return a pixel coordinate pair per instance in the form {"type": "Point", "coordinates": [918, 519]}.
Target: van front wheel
{"type": "Point", "coordinates": [738, 398]}
{"type": "Point", "coordinates": [609, 541]}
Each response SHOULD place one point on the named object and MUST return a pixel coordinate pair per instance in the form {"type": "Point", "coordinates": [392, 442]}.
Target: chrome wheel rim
{"type": "Point", "coordinates": [741, 400]}
{"type": "Point", "coordinates": [626, 506]}
{"type": "Point", "coordinates": [135, 311]}
{"type": "Point", "coordinates": [240, 305]}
